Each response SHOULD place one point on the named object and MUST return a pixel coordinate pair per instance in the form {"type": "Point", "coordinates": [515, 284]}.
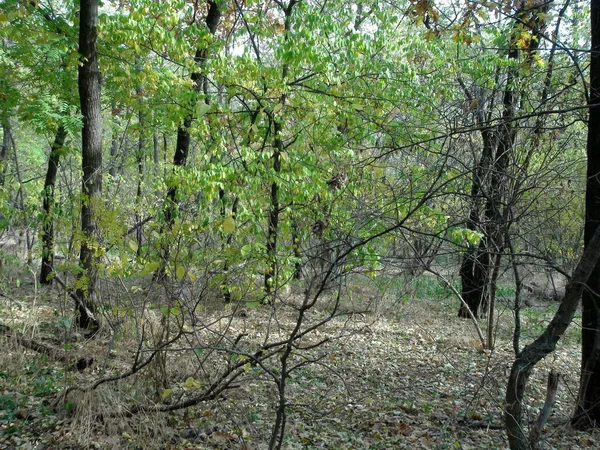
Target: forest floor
{"type": "Point", "coordinates": [411, 376]}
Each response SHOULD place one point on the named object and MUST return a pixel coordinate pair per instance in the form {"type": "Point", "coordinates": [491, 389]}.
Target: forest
{"type": "Point", "coordinates": [300, 224]}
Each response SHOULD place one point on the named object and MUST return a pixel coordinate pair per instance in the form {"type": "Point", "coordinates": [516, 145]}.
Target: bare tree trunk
{"type": "Point", "coordinates": [587, 413]}
{"type": "Point", "coordinates": [273, 220]}
{"type": "Point", "coordinates": [91, 162]}
{"type": "Point", "coordinates": [47, 266]}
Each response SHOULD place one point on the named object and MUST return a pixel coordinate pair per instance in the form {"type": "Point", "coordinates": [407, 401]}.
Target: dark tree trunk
{"type": "Point", "coordinates": [474, 265]}
{"type": "Point", "coordinates": [182, 147]}
{"type": "Point", "coordinates": [297, 254]}
{"type": "Point", "coordinates": [473, 280]}
{"type": "Point", "coordinates": [47, 269]}
{"type": "Point", "coordinates": [587, 413]}
{"type": "Point", "coordinates": [156, 149]}
{"type": "Point", "coordinates": [140, 164]}
{"type": "Point", "coordinates": [234, 209]}
{"type": "Point", "coordinates": [114, 146]}
{"type": "Point", "coordinates": [273, 220]}
{"type": "Point", "coordinates": [6, 143]}
{"type": "Point", "coordinates": [91, 162]}
{"type": "Point", "coordinates": [183, 135]}
{"type": "Point", "coordinates": [274, 210]}
{"type": "Point", "coordinates": [489, 180]}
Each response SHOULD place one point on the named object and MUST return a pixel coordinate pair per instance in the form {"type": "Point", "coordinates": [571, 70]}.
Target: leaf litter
{"type": "Point", "coordinates": [414, 376]}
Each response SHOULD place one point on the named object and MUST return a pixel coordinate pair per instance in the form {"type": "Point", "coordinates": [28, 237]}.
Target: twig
{"type": "Point", "coordinates": [536, 430]}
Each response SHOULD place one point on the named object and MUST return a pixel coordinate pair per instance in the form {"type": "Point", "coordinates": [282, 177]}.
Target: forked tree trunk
{"type": "Point", "coordinates": [526, 360]}
{"type": "Point", "coordinates": [47, 269]}
{"type": "Point", "coordinates": [91, 162]}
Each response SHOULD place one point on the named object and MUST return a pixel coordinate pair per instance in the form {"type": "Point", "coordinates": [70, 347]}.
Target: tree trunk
{"type": "Point", "coordinates": [273, 219]}
{"type": "Point", "coordinates": [91, 162]}
{"type": "Point", "coordinates": [200, 83]}
{"type": "Point", "coordinates": [489, 180]}
{"type": "Point", "coordinates": [6, 143]}
{"type": "Point", "coordinates": [587, 412]}
{"type": "Point", "coordinates": [545, 344]}
{"type": "Point", "coordinates": [113, 165]}
{"type": "Point", "coordinates": [47, 266]}
{"type": "Point", "coordinates": [140, 165]}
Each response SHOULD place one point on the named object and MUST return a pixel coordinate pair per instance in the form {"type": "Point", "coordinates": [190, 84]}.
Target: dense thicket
{"type": "Point", "coordinates": [232, 149]}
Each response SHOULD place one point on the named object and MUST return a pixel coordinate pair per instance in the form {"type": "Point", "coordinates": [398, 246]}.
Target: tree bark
{"type": "Point", "coordinates": [140, 159]}
{"type": "Point", "coordinates": [489, 180]}
{"type": "Point", "coordinates": [47, 266]}
{"type": "Point", "coordinates": [587, 412]}
{"type": "Point", "coordinates": [91, 162]}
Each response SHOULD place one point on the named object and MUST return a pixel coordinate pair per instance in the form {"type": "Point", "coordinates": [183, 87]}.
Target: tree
{"type": "Point", "coordinates": [587, 413]}
{"type": "Point", "coordinates": [91, 164]}
{"type": "Point", "coordinates": [47, 267]}
{"type": "Point", "coordinates": [545, 344]}
{"type": "Point", "coordinates": [200, 86]}
{"type": "Point", "coordinates": [490, 210]}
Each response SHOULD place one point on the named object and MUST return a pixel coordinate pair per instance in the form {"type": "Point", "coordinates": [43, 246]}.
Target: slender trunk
{"type": "Point", "coordinates": [297, 254]}
{"type": "Point", "coordinates": [200, 83]}
{"type": "Point", "coordinates": [234, 208]}
{"type": "Point", "coordinates": [4, 150]}
{"type": "Point", "coordinates": [91, 162]}
{"type": "Point", "coordinates": [114, 145]}
{"type": "Point", "coordinates": [587, 412]}
{"type": "Point", "coordinates": [273, 220]}
{"type": "Point", "coordinates": [47, 266]}
{"type": "Point", "coordinates": [20, 202]}
{"type": "Point", "coordinates": [489, 179]}
{"type": "Point", "coordinates": [473, 264]}
{"type": "Point", "coordinates": [270, 282]}
{"type": "Point", "coordinates": [140, 166]}
{"type": "Point", "coordinates": [156, 149]}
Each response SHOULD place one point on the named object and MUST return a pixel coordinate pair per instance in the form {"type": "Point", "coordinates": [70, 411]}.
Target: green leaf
{"type": "Point", "coordinates": [201, 109]}
{"type": "Point", "coordinates": [149, 268]}
{"type": "Point", "coordinates": [180, 272]}
{"type": "Point", "coordinates": [133, 246]}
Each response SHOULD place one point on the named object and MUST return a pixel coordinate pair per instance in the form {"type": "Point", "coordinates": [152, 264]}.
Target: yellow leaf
{"type": "Point", "coordinates": [229, 225]}
{"type": "Point", "coordinates": [166, 393]}
{"type": "Point", "coordinates": [191, 384]}
{"type": "Point", "coordinates": [180, 272]}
